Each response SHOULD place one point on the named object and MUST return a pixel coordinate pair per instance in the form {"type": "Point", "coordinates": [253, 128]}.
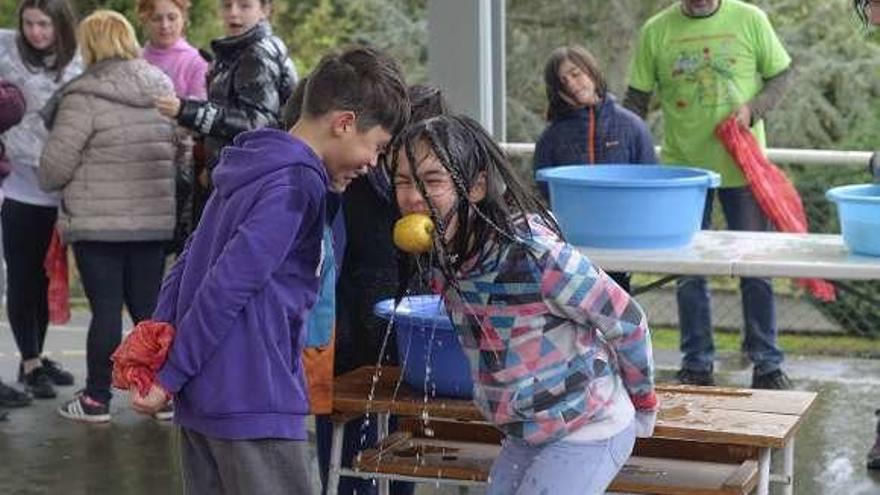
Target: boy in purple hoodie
{"type": "Point", "coordinates": [241, 290]}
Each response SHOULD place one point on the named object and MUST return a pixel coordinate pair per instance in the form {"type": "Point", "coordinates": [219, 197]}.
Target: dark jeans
{"type": "Point", "coordinates": [759, 311]}
{"type": "Point", "coordinates": [356, 439]}
{"type": "Point", "coordinates": [27, 230]}
{"type": "Point", "coordinates": [113, 274]}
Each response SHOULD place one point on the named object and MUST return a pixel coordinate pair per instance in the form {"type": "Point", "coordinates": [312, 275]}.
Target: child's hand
{"type": "Point", "coordinates": [168, 106]}
{"type": "Point", "coordinates": [645, 421]}
{"type": "Point", "coordinates": [151, 403]}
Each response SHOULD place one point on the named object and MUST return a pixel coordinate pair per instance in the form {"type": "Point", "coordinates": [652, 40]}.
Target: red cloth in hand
{"type": "Point", "coordinates": [141, 354]}
{"type": "Point", "coordinates": [775, 194]}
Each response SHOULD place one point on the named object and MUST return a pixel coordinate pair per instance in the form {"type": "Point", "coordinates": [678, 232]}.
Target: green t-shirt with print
{"type": "Point", "coordinates": [704, 69]}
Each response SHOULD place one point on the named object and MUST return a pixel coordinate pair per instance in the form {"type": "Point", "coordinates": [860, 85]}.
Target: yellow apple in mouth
{"type": "Point", "coordinates": [412, 233]}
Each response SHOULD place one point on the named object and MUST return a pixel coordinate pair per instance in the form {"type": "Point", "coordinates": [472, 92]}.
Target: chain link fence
{"type": "Point", "coordinates": [796, 310]}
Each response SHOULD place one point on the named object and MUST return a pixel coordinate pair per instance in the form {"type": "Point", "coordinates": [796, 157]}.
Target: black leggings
{"type": "Point", "coordinates": [27, 230]}
{"type": "Point", "coordinates": [113, 274]}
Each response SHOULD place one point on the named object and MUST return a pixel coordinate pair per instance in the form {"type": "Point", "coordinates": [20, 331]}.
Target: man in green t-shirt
{"type": "Point", "coordinates": [868, 12]}
{"type": "Point", "coordinates": [708, 60]}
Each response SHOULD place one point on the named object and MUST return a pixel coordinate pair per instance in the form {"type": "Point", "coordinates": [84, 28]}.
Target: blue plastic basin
{"type": "Point", "coordinates": [427, 340]}
{"type": "Point", "coordinates": [858, 207]}
{"type": "Point", "coordinates": [628, 206]}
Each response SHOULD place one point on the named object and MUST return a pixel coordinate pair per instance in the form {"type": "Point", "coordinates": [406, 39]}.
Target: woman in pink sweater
{"type": "Point", "coordinates": [167, 49]}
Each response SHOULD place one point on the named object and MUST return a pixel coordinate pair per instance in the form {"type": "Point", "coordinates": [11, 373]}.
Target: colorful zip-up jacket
{"type": "Point", "coordinates": [543, 329]}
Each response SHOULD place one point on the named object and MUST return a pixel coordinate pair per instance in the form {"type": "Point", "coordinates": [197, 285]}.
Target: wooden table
{"type": "Point", "coordinates": [764, 419]}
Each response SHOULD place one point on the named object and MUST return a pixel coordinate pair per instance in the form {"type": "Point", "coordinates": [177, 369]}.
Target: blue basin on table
{"type": "Point", "coordinates": [628, 206]}
{"type": "Point", "coordinates": [427, 340]}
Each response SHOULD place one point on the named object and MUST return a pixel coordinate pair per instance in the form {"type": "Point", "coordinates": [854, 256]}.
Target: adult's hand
{"type": "Point", "coordinates": [743, 116]}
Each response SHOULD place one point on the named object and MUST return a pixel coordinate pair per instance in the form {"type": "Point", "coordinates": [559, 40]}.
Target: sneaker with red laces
{"type": "Point", "coordinates": [85, 409]}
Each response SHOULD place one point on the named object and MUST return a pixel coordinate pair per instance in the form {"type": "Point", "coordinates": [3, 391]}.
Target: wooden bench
{"type": "Point", "coordinates": [730, 429]}
{"type": "Point", "coordinates": [406, 455]}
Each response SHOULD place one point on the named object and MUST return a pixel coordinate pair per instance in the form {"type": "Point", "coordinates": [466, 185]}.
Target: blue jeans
{"type": "Point", "coordinates": [741, 212]}
{"type": "Point", "coordinates": [560, 468]}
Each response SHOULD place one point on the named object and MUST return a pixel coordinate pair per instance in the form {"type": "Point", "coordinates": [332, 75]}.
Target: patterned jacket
{"type": "Point", "coordinates": [541, 325]}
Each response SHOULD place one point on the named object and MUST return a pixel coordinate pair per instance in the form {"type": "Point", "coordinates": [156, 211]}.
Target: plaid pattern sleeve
{"type": "Point", "coordinates": [576, 289]}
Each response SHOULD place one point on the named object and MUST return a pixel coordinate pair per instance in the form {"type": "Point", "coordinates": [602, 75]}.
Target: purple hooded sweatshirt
{"type": "Point", "coordinates": [184, 65]}
{"type": "Point", "coordinates": [241, 290]}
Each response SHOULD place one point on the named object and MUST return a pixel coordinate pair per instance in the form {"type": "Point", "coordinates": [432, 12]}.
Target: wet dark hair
{"type": "Point", "coordinates": [427, 101]}
{"type": "Point", "coordinates": [362, 80]}
{"type": "Point", "coordinates": [468, 153]}
{"type": "Point", "coordinates": [64, 22]}
{"type": "Point", "coordinates": [861, 8]}
{"type": "Point", "coordinates": [585, 61]}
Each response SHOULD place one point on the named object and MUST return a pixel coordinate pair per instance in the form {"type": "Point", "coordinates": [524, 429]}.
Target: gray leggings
{"type": "Point", "coordinates": [244, 467]}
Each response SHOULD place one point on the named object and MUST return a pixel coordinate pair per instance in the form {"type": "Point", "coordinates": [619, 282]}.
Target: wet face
{"type": "Point", "coordinates": [439, 188]}
{"type": "Point", "coordinates": [699, 8]}
{"type": "Point", "coordinates": [239, 16]}
{"type": "Point", "coordinates": [37, 28]}
{"type": "Point", "coordinates": [578, 87]}
{"type": "Point", "coordinates": [165, 24]}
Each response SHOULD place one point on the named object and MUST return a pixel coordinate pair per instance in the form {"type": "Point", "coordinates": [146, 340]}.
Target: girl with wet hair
{"type": "Point", "coordinates": [560, 354]}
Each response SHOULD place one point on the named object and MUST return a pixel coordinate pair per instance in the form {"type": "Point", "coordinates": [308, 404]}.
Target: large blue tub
{"type": "Point", "coordinates": [628, 206]}
{"type": "Point", "coordinates": [858, 207]}
{"type": "Point", "coordinates": [426, 338]}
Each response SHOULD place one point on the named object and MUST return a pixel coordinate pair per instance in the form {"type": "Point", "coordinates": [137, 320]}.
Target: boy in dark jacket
{"type": "Point", "coordinates": [250, 78]}
{"type": "Point", "coordinates": [241, 290]}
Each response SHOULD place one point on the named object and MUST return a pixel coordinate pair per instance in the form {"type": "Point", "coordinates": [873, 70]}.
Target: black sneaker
{"type": "Point", "coordinates": [692, 377]}
{"type": "Point", "coordinates": [10, 397]}
{"type": "Point", "coordinates": [85, 409]}
{"type": "Point", "coordinates": [59, 375]}
{"type": "Point", "coordinates": [775, 380]}
{"type": "Point", "coordinates": [39, 384]}
{"type": "Point", "coordinates": [874, 453]}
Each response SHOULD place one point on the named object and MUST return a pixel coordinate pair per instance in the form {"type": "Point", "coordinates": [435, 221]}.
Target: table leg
{"type": "Point", "coordinates": [382, 433]}
{"type": "Point", "coordinates": [764, 473]}
{"type": "Point", "coordinates": [788, 467]}
{"type": "Point", "coordinates": [335, 457]}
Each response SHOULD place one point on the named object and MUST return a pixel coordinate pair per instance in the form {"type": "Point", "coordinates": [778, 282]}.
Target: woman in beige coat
{"type": "Point", "coordinates": [113, 157]}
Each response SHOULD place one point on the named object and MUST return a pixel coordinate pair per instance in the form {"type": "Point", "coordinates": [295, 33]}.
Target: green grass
{"type": "Point", "coordinates": [793, 344]}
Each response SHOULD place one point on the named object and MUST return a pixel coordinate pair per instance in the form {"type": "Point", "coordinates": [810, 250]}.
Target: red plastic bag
{"type": "Point", "coordinates": [139, 357]}
{"type": "Point", "coordinates": [55, 265]}
{"type": "Point", "coordinates": [776, 195]}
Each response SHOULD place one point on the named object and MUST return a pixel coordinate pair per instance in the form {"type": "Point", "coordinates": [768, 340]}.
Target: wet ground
{"type": "Point", "coordinates": [40, 453]}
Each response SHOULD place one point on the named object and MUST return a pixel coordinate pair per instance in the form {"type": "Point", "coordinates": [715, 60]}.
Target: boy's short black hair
{"type": "Point", "coordinates": [363, 80]}
{"type": "Point", "coordinates": [292, 108]}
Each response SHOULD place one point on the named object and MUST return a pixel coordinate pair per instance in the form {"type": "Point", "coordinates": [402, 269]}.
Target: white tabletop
{"type": "Point", "coordinates": [736, 254]}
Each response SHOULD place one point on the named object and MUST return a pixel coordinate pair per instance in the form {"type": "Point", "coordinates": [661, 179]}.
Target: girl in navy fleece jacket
{"type": "Point", "coordinates": [586, 124]}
